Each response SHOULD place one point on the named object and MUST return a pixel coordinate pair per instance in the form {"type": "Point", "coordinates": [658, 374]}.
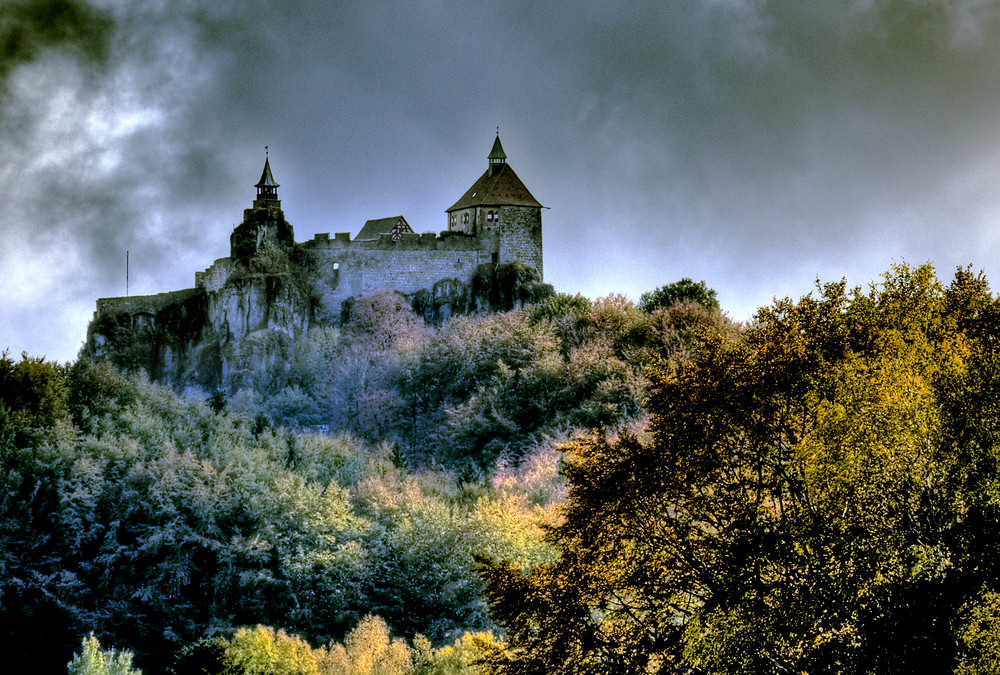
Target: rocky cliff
{"type": "Point", "coordinates": [225, 338]}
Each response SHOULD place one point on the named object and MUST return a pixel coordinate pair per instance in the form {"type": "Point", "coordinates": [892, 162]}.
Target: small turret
{"type": "Point", "coordinates": [264, 224]}
{"type": "Point", "coordinates": [497, 156]}
{"type": "Point", "coordinates": [267, 189]}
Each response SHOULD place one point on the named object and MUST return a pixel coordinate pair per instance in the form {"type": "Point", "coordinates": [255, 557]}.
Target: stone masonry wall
{"type": "Point", "coordinates": [340, 269]}
{"type": "Point", "coordinates": [216, 276]}
{"type": "Point", "coordinates": [521, 236]}
{"type": "Point", "coordinates": [143, 304]}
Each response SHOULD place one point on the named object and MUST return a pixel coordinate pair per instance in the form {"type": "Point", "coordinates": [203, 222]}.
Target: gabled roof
{"type": "Point", "coordinates": [374, 228]}
{"type": "Point", "coordinates": [499, 186]}
{"type": "Point", "coordinates": [266, 179]}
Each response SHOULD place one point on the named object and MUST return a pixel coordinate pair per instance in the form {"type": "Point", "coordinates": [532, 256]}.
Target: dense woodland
{"type": "Point", "coordinates": [574, 486]}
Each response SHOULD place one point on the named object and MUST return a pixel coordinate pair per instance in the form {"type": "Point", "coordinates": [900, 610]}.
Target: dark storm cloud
{"type": "Point", "coordinates": [754, 144]}
{"type": "Point", "coordinates": [30, 27]}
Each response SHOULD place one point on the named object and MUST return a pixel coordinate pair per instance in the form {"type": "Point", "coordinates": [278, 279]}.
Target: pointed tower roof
{"type": "Point", "coordinates": [497, 152]}
{"type": "Point", "coordinates": [499, 186]}
{"type": "Point", "coordinates": [266, 179]}
{"type": "Point", "coordinates": [267, 189]}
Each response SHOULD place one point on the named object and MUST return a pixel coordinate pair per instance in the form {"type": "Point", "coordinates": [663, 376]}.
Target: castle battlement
{"type": "Point", "coordinates": [446, 240]}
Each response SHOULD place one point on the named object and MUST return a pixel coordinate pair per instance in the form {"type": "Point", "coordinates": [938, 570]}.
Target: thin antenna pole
{"type": "Point", "coordinates": [126, 273]}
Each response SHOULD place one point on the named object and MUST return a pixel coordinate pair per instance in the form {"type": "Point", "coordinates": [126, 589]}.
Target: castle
{"type": "Point", "coordinates": [245, 310]}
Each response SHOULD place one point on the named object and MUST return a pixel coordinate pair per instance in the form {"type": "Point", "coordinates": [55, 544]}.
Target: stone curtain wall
{"type": "Point", "coordinates": [216, 276]}
{"type": "Point", "coordinates": [143, 304]}
{"type": "Point", "coordinates": [340, 269]}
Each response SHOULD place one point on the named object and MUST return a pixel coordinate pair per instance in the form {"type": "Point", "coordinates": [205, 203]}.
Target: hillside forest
{"type": "Point", "coordinates": [573, 486]}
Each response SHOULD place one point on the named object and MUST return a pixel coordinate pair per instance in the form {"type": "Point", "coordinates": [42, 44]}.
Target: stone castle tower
{"type": "Point", "coordinates": [246, 310]}
{"type": "Point", "coordinates": [500, 203]}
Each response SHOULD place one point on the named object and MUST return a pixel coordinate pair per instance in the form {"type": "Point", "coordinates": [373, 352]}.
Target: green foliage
{"type": "Point", "coordinates": [368, 649]}
{"type": "Point", "coordinates": [160, 520]}
{"type": "Point", "coordinates": [478, 387]}
{"type": "Point", "coordinates": [33, 399]}
{"type": "Point", "coordinates": [97, 391]}
{"type": "Point", "coordinates": [568, 316]}
{"type": "Point", "coordinates": [205, 657]}
{"type": "Point", "coordinates": [383, 321]}
{"type": "Point", "coordinates": [92, 660]}
{"type": "Point", "coordinates": [559, 305]}
{"type": "Point", "coordinates": [489, 386]}
{"type": "Point", "coordinates": [265, 651]}
{"type": "Point", "coordinates": [980, 637]}
{"type": "Point", "coordinates": [463, 657]}
{"type": "Point", "coordinates": [293, 408]}
{"type": "Point", "coordinates": [819, 496]}
{"type": "Point", "coordinates": [684, 290]}
{"type": "Point", "coordinates": [379, 343]}
{"type": "Point", "coordinates": [508, 285]}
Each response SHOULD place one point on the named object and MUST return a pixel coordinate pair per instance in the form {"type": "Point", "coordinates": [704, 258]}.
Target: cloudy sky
{"type": "Point", "coordinates": [754, 144]}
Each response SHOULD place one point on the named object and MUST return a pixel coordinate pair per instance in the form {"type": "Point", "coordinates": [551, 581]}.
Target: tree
{"type": "Point", "coordinates": [92, 660]}
{"type": "Point", "coordinates": [369, 650]}
{"type": "Point", "coordinates": [462, 657]}
{"type": "Point", "coordinates": [679, 291]}
{"type": "Point", "coordinates": [816, 497]}
{"type": "Point", "coordinates": [264, 651]}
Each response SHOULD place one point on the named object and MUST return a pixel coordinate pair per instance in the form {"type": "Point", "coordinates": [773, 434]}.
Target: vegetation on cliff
{"type": "Point", "coordinates": [572, 486]}
{"type": "Point", "coordinates": [360, 479]}
{"type": "Point", "coordinates": [478, 388]}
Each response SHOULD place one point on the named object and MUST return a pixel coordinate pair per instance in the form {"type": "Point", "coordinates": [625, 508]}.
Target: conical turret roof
{"type": "Point", "coordinates": [497, 152]}
{"type": "Point", "coordinates": [266, 179]}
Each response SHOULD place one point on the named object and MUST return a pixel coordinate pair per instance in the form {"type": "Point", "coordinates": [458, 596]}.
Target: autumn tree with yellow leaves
{"type": "Point", "coordinates": [819, 495]}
